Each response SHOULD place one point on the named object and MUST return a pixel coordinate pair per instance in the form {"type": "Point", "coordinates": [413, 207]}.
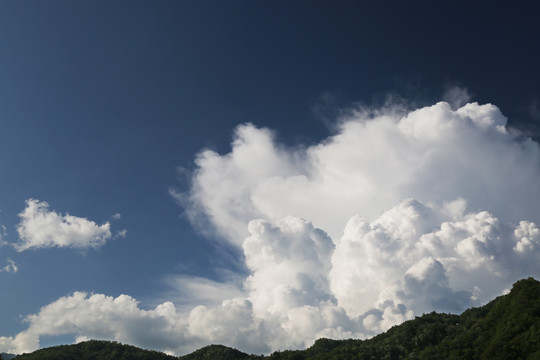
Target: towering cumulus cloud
{"type": "Point", "coordinates": [377, 159]}
{"type": "Point", "coordinates": [409, 211]}
{"type": "Point", "coordinates": [397, 214]}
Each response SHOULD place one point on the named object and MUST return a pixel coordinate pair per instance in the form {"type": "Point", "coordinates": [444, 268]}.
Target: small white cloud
{"type": "Point", "coordinates": [121, 233]}
{"type": "Point", "coordinates": [3, 232]}
{"type": "Point", "coordinates": [10, 267]}
{"type": "Point", "coordinates": [117, 216]}
{"type": "Point", "coordinates": [40, 228]}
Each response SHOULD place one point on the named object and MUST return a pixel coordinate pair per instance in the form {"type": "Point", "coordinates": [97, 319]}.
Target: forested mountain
{"type": "Point", "coordinates": [95, 350]}
{"type": "Point", "coordinates": [506, 328]}
{"type": "Point", "coordinates": [219, 352]}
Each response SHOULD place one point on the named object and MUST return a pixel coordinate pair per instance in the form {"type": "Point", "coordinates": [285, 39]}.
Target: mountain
{"type": "Point", "coordinates": [5, 356]}
{"type": "Point", "coordinates": [95, 350]}
{"type": "Point", "coordinates": [506, 328]}
{"type": "Point", "coordinates": [220, 352]}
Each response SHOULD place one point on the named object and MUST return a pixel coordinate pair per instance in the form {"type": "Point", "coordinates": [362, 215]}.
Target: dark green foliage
{"type": "Point", "coordinates": [214, 352]}
{"type": "Point", "coordinates": [95, 350]}
{"type": "Point", "coordinates": [323, 345]}
{"type": "Point", "coordinates": [506, 328]}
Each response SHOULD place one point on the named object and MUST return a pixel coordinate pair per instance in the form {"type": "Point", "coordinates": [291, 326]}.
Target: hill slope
{"type": "Point", "coordinates": [95, 350]}
{"type": "Point", "coordinates": [220, 352]}
{"type": "Point", "coordinates": [506, 328]}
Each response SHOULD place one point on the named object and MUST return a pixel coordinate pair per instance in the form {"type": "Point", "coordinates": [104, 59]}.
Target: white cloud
{"type": "Point", "coordinates": [289, 264]}
{"type": "Point", "coordinates": [3, 231]}
{"type": "Point", "coordinates": [40, 227]}
{"type": "Point", "coordinates": [304, 310]}
{"type": "Point", "coordinates": [100, 317]}
{"type": "Point", "coordinates": [255, 156]}
{"type": "Point", "coordinates": [471, 180]}
{"type": "Point", "coordinates": [397, 214]}
{"type": "Point", "coordinates": [121, 233]}
{"type": "Point", "coordinates": [10, 267]}
{"type": "Point", "coordinates": [117, 216]}
{"type": "Point", "coordinates": [377, 159]}
{"type": "Point", "coordinates": [418, 256]}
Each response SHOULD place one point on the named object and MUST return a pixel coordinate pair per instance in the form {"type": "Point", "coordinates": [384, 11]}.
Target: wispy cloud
{"type": "Point", "coordinates": [456, 96]}
{"type": "Point", "coordinates": [10, 267]}
{"type": "Point", "coordinates": [121, 233]}
{"type": "Point", "coordinates": [534, 108]}
{"type": "Point", "coordinates": [3, 233]}
{"type": "Point", "coordinates": [191, 291]}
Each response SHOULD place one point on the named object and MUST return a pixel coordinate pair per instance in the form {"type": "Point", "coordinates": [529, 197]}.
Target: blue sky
{"type": "Point", "coordinates": [106, 111]}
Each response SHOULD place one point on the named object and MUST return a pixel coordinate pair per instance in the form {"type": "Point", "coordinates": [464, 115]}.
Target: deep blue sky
{"type": "Point", "coordinates": [102, 101]}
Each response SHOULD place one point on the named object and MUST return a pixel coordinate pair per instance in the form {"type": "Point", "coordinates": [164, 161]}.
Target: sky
{"type": "Point", "coordinates": [261, 174]}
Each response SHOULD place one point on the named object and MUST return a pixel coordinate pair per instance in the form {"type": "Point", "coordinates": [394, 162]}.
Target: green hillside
{"type": "Point", "coordinates": [95, 350]}
{"type": "Point", "coordinates": [218, 352]}
{"type": "Point", "coordinates": [506, 328]}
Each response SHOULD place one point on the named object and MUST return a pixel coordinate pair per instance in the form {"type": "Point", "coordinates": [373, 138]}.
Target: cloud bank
{"type": "Point", "coordinates": [40, 228]}
{"type": "Point", "coordinates": [397, 214]}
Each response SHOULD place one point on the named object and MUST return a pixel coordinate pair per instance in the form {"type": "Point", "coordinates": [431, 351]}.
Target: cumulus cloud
{"type": "Point", "coordinates": [461, 183]}
{"type": "Point", "coordinates": [304, 310]}
{"type": "Point", "coordinates": [378, 158]}
{"type": "Point", "coordinates": [430, 258]}
{"type": "Point", "coordinates": [40, 227]}
{"type": "Point", "coordinates": [100, 317]}
{"type": "Point", "coordinates": [397, 214]}
{"type": "Point", "coordinates": [289, 264]}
